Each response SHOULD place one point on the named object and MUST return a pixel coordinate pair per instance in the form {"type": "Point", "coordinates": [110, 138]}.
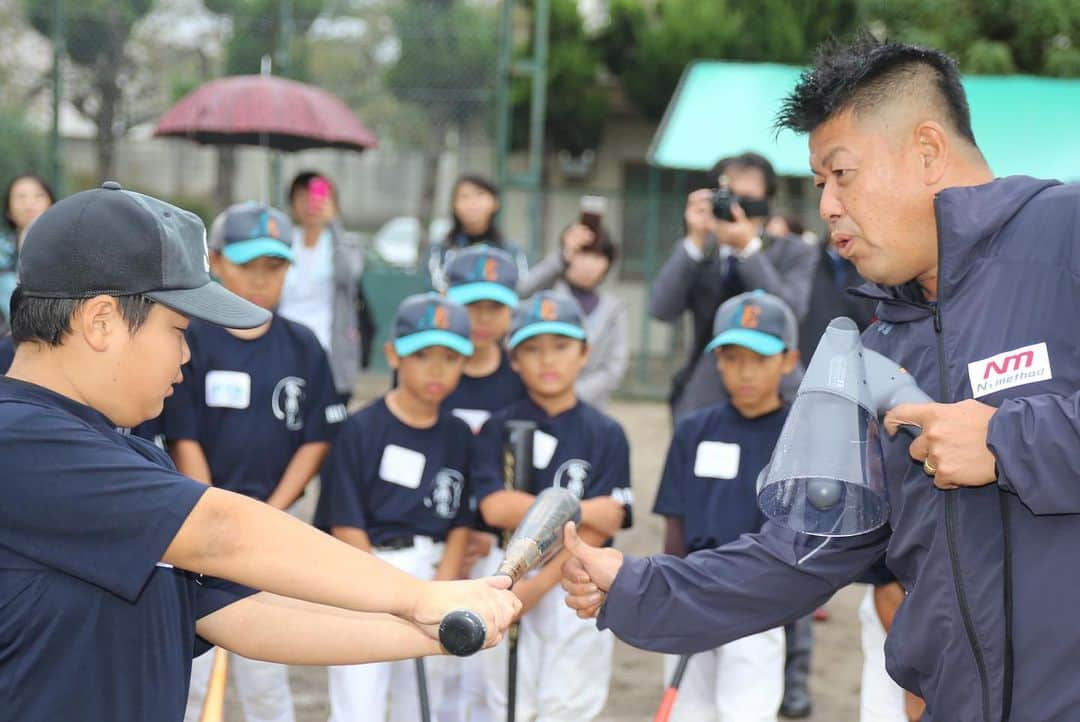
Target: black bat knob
{"type": "Point", "coordinates": [462, 633]}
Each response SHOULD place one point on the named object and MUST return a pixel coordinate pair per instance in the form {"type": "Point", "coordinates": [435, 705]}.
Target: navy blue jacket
{"type": "Point", "coordinates": [988, 631]}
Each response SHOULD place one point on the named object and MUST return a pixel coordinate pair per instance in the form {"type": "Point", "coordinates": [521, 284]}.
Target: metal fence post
{"type": "Point", "coordinates": [56, 170]}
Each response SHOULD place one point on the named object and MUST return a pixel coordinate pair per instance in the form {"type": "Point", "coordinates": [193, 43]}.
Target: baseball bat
{"type": "Point", "coordinates": [422, 690]}
{"type": "Point", "coordinates": [517, 476]}
{"type": "Point", "coordinates": [538, 538]}
{"type": "Point", "coordinates": [667, 703]}
{"type": "Point", "coordinates": [462, 632]}
{"type": "Point", "coordinates": [213, 709]}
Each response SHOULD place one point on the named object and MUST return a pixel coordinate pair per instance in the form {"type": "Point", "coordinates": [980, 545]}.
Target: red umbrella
{"type": "Point", "coordinates": [267, 111]}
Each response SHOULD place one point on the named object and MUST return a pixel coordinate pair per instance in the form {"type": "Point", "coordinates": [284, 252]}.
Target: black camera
{"type": "Point", "coordinates": [723, 199]}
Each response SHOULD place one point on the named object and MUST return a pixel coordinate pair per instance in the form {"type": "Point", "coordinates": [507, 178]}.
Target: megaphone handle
{"type": "Point", "coordinates": [912, 430]}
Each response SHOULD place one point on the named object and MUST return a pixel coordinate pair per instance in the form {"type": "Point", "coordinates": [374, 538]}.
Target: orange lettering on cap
{"type": "Point", "coordinates": [750, 316]}
{"type": "Point", "coordinates": [272, 229]}
{"type": "Point", "coordinates": [491, 270]}
{"type": "Point", "coordinates": [548, 312]}
{"type": "Point", "coordinates": [442, 317]}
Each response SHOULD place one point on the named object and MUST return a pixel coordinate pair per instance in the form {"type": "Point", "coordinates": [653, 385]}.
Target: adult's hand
{"type": "Point", "coordinates": [574, 239]}
{"type": "Point", "coordinates": [588, 574]}
{"type": "Point", "coordinates": [738, 233]}
{"type": "Point", "coordinates": [952, 445]}
{"type": "Point", "coordinates": [699, 218]}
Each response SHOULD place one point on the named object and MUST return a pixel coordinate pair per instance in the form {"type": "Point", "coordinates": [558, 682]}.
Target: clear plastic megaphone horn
{"type": "Point", "coordinates": [826, 476]}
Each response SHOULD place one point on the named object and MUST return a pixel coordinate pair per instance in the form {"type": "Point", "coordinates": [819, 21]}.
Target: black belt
{"type": "Point", "coordinates": [395, 544]}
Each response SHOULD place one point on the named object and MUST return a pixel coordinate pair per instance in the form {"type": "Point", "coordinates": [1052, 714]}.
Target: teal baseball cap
{"type": "Point", "coordinates": [547, 312]}
{"type": "Point", "coordinates": [756, 320]}
{"type": "Point", "coordinates": [250, 230]}
{"type": "Point", "coordinates": [482, 273]}
{"type": "Point", "coordinates": [427, 319]}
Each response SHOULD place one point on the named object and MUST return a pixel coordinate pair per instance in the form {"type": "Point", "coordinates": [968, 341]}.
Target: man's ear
{"type": "Point", "coordinates": [98, 321]}
{"type": "Point", "coordinates": [932, 143]}
{"type": "Point", "coordinates": [392, 358]}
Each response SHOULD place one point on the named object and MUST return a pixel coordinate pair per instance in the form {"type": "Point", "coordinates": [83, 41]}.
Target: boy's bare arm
{"type": "Point", "coordinates": [673, 536]}
{"type": "Point", "coordinates": [278, 629]}
{"type": "Point", "coordinates": [505, 509]}
{"type": "Point", "coordinates": [604, 514]}
{"type": "Point", "coordinates": [298, 474]}
{"type": "Point", "coordinates": [229, 536]}
{"type": "Point", "coordinates": [190, 460]}
{"type": "Point", "coordinates": [352, 536]}
{"type": "Point", "coordinates": [453, 554]}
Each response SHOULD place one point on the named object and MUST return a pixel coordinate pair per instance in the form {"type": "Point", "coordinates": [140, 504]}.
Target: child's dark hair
{"type": "Point", "coordinates": [494, 236]}
{"type": "Point", "coordinates": [48, 320]}
{"type": "Point", "coordinates": [747, 160]}
{"type": "Point", "coordinates": [11, 185]}
{"type": "Point", "coordinates": [865, 73]}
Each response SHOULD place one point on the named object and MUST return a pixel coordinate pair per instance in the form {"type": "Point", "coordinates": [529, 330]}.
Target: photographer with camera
{"type": "Point", "coordinates": [725, 252]}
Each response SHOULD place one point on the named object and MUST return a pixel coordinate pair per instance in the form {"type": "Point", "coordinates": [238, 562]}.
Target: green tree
{"type": "Point", "coordinates": [990, 36]}
{"type": "Point", "coordinates": [577, 103]}
{"type": "Point", "coordinates": [22, 149]}
{"type": "Point", "coordinates": [95, 36]}
{"type": "Point", "coordinates": [444, 72]}
{"type": "Point", "coordinates": [648, 47]}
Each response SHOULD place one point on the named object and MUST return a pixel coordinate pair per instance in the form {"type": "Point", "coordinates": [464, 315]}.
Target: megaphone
{"type": "Point", "coordinates": [826, 476]}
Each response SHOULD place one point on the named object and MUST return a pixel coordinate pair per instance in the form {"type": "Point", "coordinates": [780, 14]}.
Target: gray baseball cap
{"type": "Point", "coordinates": [482, 273]}
{"type": "Point", "coordinates": [548, 312]}
{"type": "Point", "coordinates": [427, 319]}
{"type": "Point", "coordinates": [756, 320]}
{"type": "Point", "coordinates": [109, 241]}
{"type": "Point", "coordinates": [250, 230]}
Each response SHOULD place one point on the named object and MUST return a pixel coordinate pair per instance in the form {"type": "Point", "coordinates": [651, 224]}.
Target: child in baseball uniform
{"type": "Point", "coordinates": [564, 663]}
{"type": "Point", "coordinates": [708, 496]}
{"type": "Point", "coordinates": [395, 485]}
{"type": "Point", "coordinates": [481, 278]}
{"type": "Point", "coordinates": [254, 413]}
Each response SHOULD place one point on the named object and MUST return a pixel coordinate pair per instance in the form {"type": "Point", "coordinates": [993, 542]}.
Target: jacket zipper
{"type": "Point", "coordinates": [950, 510]}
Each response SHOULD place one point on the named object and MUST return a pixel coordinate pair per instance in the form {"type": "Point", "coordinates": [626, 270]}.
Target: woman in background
{"type": "Point", "coordinates": [322, 288]}
{"type": "Point", "coordinates": [27, 197]}
{"type": "Point", "coordinates": [581, 264]}
{"type": "Point", "coordinates": [474, 205]}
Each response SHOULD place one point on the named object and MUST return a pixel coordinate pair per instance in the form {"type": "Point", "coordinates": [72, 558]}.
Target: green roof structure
{"type": "Point", "coordinates": [1023, 124]}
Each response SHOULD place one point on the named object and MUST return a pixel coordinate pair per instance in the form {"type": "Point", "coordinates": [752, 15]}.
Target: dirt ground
{"type": "Point", "coordinates": [637, 685]}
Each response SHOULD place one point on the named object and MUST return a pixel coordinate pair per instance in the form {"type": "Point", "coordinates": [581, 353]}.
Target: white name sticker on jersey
{"type": "Point", "coordinates": [475, 418]}
{"type": "Point", "coordinates": [717, 460]}
{"type": "Point", "coordinates": [543, 449]}
{"type": "Point", "coordinates": [228, 389]}
{"type": "Point", "coordinates": [1021, 366]}
{"type": "Point", "coordinates": [402, 466]}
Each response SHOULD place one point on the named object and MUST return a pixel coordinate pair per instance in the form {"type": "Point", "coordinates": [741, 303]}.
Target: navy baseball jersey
{"type": "Point", "coordinates": [395, 481]}
{"type": "Point", "coordinates": [475, 398]}
{"type": "Point", "coordinates": [7, 353]}
{"type": "Point", "coordinates": [93, 625]}
{"type": "Point", "coordinates": [581, 449]}
{"type": "Point", "coordinates": [710, 476]}
{"type": "Point", "coordinates": [252, 403]}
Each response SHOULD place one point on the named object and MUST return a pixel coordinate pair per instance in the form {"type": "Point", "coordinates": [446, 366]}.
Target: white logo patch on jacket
{"type": "Point", "coordinates": [1018, 367]}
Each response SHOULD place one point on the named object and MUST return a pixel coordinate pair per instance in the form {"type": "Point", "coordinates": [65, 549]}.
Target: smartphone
{"type": "Point", "coordinates": [318, 194]}
{"type": "Point", "coordinates": [592, 212]}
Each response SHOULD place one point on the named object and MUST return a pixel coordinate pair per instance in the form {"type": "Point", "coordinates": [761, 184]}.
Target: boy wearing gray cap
{"type": "Point", "coordinates": [108, 554]}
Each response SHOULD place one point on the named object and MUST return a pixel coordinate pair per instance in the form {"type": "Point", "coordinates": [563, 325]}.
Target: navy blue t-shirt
{"type": "Point", "coordinates": [475, 398]}
{"type": "Point", "coordinates": [710, 476]}
{"type": "Point", "coordinates": [7, 353]}
{"type": "Point", "coordinates": [252, 403]}
{"type": "Point", "coordinates": [92, 625]}
{"type": "Point", "coordinates": [395, 481]}
{"type": "Point", "coordinates": [581, 449]}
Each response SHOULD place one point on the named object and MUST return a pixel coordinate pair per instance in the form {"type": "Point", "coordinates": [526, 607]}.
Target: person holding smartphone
{"type": "Point", "coordinates": [585, 256]}
{"type": "Point", "coordinates": [322, 287]}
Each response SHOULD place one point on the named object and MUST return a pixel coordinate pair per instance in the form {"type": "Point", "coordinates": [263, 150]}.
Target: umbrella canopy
{"type": "Point", "coordinates": [266, 111]}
